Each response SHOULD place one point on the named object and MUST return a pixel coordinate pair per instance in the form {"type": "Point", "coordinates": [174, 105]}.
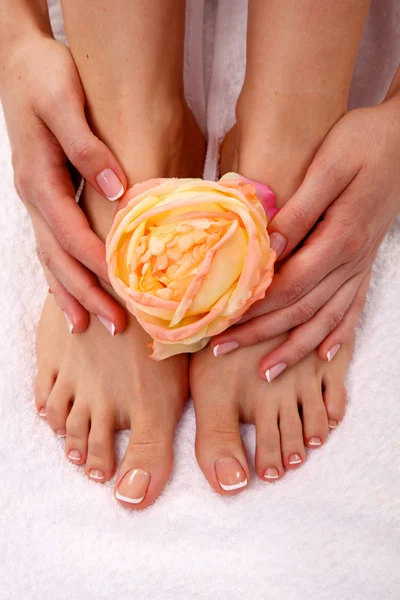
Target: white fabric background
{"type": "Point", "coordinates": [329, 531]}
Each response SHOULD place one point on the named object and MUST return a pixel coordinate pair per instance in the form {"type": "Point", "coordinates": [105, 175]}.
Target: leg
{"type": "Point", "coordinates": [300, 58]}
{"type": "Point", "coordinates": [92, 384]}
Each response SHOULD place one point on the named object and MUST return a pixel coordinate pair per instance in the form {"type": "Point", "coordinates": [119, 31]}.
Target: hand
{"type": "Point", "coordinates": [44, 106]}
{"type": "Point", "coordinates": [319, 291]}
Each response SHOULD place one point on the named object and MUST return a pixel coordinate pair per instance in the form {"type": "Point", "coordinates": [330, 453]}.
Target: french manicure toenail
{"type": "Point", "coordinates": [332, 423]}
{"type": "Point", "coordinates": [314, 441]}
{"type": "Point", "coordinates": [42, 412]}
{"type": "Point", "coordinates": [96, 474]}
{"type": "Point", "coordinates": [225, 348]}
{"type": "Point", "coordinates": [278, 243]}
{"type": "Point", "coordinates": [330, 355]}
{"type": "Point", "coordinates": [273, 372]}
{"type": "Point", "coordinates": [110, 185]}
{"type": "Point", "coordinates": [133, 486]}
{"type": "Point", "coordinates": [230, 474]}
{"type": "Point", "coordinates": [107, 324]}
{"type": "Point", "coordinates": [61, 432]}
{"type": "Point", "coordinates": [271, 473]}
{"type": "Point", "coordinates": [74, 455]}
{"type": "Point", "coordinates": [295, 459]}
{"type": "Point", "coordinates": [69, 323]}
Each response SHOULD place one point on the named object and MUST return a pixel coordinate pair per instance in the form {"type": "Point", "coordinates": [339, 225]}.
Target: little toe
{"type": "Point", "coordinates": [100, 462]}
{"type": "Point", "coordinates": [58, 406]}
{"type": "Point", "coordinates": [77, 433]}
{"type": "Point", "coordinates": [315, 418]}
{"type": "Point", "coordinates": [335, 401]}
{"type": "Point", "coordinates": [268, 458]}
{"type": "Point", "coordinates": [291, 432]}
{"type": "Point", "coordinates": [219, 448]}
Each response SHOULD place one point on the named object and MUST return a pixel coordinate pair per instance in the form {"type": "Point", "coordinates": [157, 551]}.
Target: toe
{"type": "Point", "coordinates": [77, 427]}
{"type": "Point", "coordinates": [219, 448]}
{"type": "Point", "coordinates": [58, 406]}
{"type": "Point", "coordinates": [100, 462]}
{"type": "Point", "coordinates": [335, 401]}
{"type": "Point", "coordinates": [315, 418]}
{"type": "Point", "coordinates": [45, 381]}
{"type": "Point", "coordinates": [291, 431]}
{"type": "Point", "coordinates": [269, 465]}
{"type": "Point", "coordinates": [147, 464]}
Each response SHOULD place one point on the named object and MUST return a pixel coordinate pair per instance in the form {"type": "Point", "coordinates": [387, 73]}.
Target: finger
{"type": "Point", "coordinates": [267, 326]}
{"type": "Point", "coordinates": [327, 177]}
{"type": "Point", "coordinates": [345, 330]}
{"type": "Point", "coordinates": [77, 280]}
{"type": "Point", "coordinates": [91, 157]}
{"type": "Point", "coordinates": [305, 338]}
{"type": "Point", "coordinates": [76, 316]}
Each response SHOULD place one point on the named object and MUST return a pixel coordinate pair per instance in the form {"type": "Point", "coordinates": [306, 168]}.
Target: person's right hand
{"type": "Point", "coordinates": [44, 106]}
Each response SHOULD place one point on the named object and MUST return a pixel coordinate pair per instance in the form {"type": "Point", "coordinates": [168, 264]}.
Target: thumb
{"type": "Point", "coordinates": [94, 161]}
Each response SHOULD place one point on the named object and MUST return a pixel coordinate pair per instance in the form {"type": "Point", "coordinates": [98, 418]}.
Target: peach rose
{"type": "Point", "coordinates": [189, 257]}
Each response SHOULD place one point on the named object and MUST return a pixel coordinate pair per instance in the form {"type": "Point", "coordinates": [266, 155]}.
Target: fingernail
{"type": "Point", "coordinates": [332, 352]}
{"type": "Point", "coordinates": [96, 474]}
{"type": "Point", "coordinates": [133, 486]}
{"type": "Point", "coordinates": [110, 185]}
{"type": "Point", "coordinates": [230, 474]}
{"type": "Point", "coordinates": [69, 322]}
{"type": "Point", "coordinates": [278, 243]}
{"type": "Point", "coordinates": [294, 459]}
{"type": "Point", "coordinates": [271, 473]}
{"type": "Point", "coordinates": [107, 324]}
{"type": "Point", "coordinates": [42, 411]}
{"type": "Point", "coordinates": [61, 432]}
{"type": "Point", "coordinates": [314, 441]}
{"type": "Point", "coordinates": [332, 423]}
{"type": "Point", "coordinates": [273, 372]}
{"type": "Point", "coordinates": [225, 348]}
{"type": "Point", "coordinates": [74, 455]}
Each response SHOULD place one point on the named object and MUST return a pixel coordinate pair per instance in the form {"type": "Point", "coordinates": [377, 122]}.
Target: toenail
{"type": "Point", "coordinates": [271, 473]}
{"type": "Point", "coordinates": [74, 455]}
{"type": "Point", "coordinates": [273, 372]}
{"type": "Point", "coordinates": [133, 486]}
{"type": "Point", "coordinates": [69, 322]}
{"type": "Point", "coordinates": [330, 355]}
{"type": "Point", "coordinates": [230, 474]}
{"type": "Point", "coordinates": [107, 324]}
{"type": "Point", "coordinates": [332, 423]}
{"type": "Point", "coordinates": [314, 441]}
{"type": "Point", "coordinates": [96, 474]}
{"type": "Point", "coordinates": [61, 432]}
{"type": "Point", "coordinates": [295, 459]}
{"type": "Point", "coordinates": [42, 411]}
{"type": "Point", "coordinates": [221, 349]}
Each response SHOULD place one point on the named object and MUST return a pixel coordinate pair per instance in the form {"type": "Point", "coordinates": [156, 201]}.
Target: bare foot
{"type": "Point", "coordinates": [92, 384]}
{"type": "Point", "coordinates": [294, 411]}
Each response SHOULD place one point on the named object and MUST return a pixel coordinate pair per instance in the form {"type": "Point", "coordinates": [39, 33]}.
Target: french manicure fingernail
{"type": "Point", "coordinates": [225, 348]}
{"type": "Point", "coordinates": [332, 423]}
{"type": "Point", "coordinates": [230, 474]}
{"type": "Point", "coordinates": [294, 459]}
{"type": "Point", "coordinates": [74, 455]}
{"type": "Point", "coordinates": [110, 185]}
{"type": "Point", "coordinates": [314, 441]}
{"type": "Point", "coordinates": [42, 412]}
{"type": "Point", "coordinates": [330, 355]}
{"type": "Point", "coordinates": [107, 324]}
{"type": "Point", "coordinates": [96, 474]}
{"type": "Point", "coordinates": [278, 243]}
{"type": "Point", "coordinates": [133, 487]}
{"type": "Point", "coordinates": [271, 473]}
{"type": "Point", "coordinates": [273, 372]}
{"type": "Point", "coordinates": [69, 323]}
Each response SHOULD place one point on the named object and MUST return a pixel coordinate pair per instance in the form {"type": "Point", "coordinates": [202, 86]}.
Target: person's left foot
{"type": "Point", "coordinates": [294, 411]}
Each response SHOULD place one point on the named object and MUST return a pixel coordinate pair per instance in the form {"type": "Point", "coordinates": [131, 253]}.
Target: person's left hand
{"type": "Point", "coordinates": [319, 292]}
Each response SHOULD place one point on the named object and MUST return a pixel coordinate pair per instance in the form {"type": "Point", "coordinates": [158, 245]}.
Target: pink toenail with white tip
{"type": "Point", "coordinates": [74, 455]}
{"type": "Point", "coordinates": [271, 473]}
{"type": "Point", "coordinates": [96, 474]}
{"type": "Point", "coordinates": [314, 441]}
{"type": "Point", "coordinates": [230, 474]}
{"type": "Point", "coordinates": [133, 486]}
{"type": "Point", "coordinates": [295, 459]}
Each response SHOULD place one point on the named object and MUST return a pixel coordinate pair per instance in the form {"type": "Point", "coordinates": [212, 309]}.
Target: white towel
{"type": "Point", "coordinates": [330, 531]}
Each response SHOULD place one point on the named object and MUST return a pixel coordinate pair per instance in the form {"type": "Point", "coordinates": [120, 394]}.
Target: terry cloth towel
{"type": "Point", "coordinates": [329, 531]}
